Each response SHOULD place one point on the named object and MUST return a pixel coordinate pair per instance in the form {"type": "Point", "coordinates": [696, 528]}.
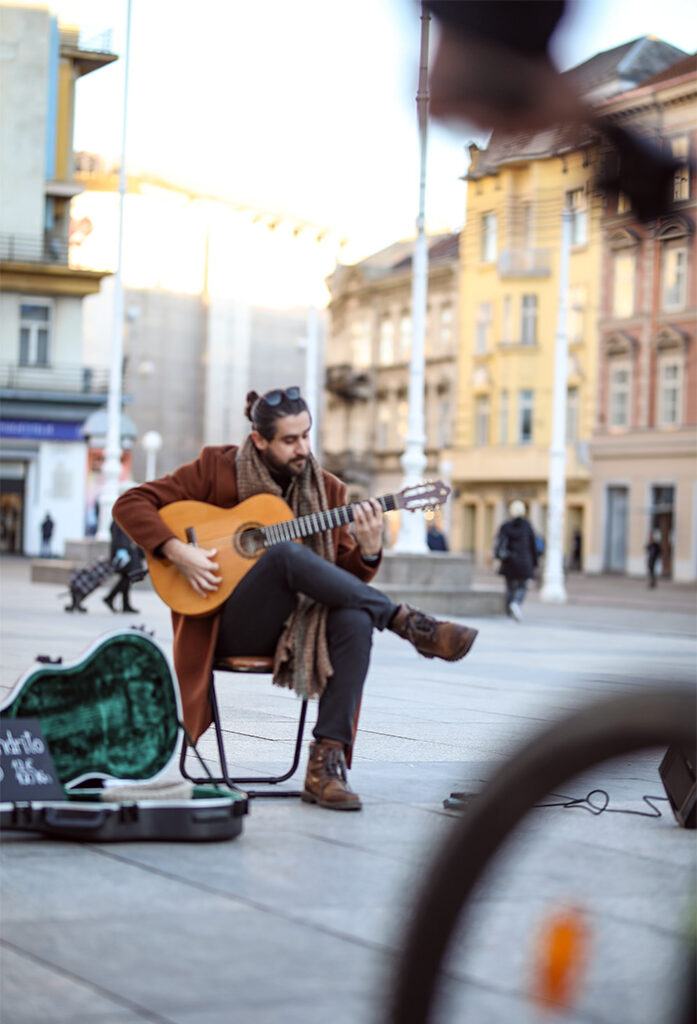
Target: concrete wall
{"type": "Point", "coordinates": [24, 42]}
{"type": "Point", "coordinates": [55, 483]}
{"type": "Point", "coordinates": [654, 462]}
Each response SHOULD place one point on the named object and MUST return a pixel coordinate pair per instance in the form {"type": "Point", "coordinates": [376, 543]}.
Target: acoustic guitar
{"type": "Point", "coordinates": [242, 533]}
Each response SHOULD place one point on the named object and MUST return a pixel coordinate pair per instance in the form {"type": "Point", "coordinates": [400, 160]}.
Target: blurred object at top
{"type": "Point", "coordinates": [492, 65]}
{"type": "Point", "coordinates": [493, 68]}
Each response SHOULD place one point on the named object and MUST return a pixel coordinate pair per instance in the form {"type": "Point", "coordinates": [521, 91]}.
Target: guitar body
{"type": "Point", "coordinates": [225, 529]}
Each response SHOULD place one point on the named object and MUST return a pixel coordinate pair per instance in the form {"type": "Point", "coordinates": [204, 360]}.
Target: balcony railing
{"type": "Point", "coordinates": [68, 378]}
{"type": "Point", "coordinates": [348, 383]}
{"type": "Point", "coordinates": [524, 262]}
{"type": "Point", "coordinates": [352, 467]}
{"type": "Point", "coordinates": [33, 249]}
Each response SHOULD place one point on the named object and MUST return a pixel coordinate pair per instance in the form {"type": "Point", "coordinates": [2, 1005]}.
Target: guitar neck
{"type": "Point", "coordinates": [317, 522]}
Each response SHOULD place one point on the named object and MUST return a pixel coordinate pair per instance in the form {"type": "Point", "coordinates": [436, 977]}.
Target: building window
{"type": "Point", "coordinates": [526, 400]}
{"type": "Point", "coordinates": [572, 409]}
{"type": "Point", "coordinates": [444, 423]}
{"type": "Point", "coordinates": [576, 314]}
{"type": "Point", "coordinates": [528, 320]}
{"type": "Point", "coordinates": [503, 418]}
{"type": "Point", "coordinates": [576, 202]}
{"type": "Point", "coordinates": [402, 420]}
{"type": "Point", "coordinates": [624, 204]}
{"type": "Point", "coordinates": [674, 293]}
{"type": "Point", "coordinates": [670, 393]}
{"type": "Point", "coordinates": [680, 148]}
{"type": "Point", "coordinates": [35, 326]}
{"type": "Point", "coordinates": [507, 319]}
{"type": "Point", "coordinates": [620, 379]}
{"type": "Point", "coordinates": [489, 245]}
{"type": "Point", "coordinates": [483, 329]}
{"type": "Point", "coordinates": [528, 226]}
{"type": "Point", "coordinates": [623, 284]}
{"type": "Point", "coordinates": [360, 343]}
{"type": "Point", "coordinates": [481, 420]}
{"type": "Point", "coordinates": [383, 437]}
{"type": "Point", "coordinates": [405, 337]}
{"type": "Point", "coordinates": [386, 343]}
{"type": "Point", "coordinates": [445, 327]}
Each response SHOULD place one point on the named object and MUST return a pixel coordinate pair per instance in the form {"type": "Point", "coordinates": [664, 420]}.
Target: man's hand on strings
{"type": "Point", "coordinates": [367, 527]}
{"type": "Point", "coordinates": [195, 563]}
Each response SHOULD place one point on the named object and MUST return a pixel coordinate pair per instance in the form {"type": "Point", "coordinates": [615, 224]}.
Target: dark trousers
{"type": "Point", "coordinates": [123, 587]}
{"type": "Point", "coordinates": [254, 614]}
{"type": "Point", "coordinates": [515, 590]}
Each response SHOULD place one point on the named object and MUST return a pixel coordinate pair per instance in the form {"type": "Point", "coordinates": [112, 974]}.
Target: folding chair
{"type": "Point", "coordinates": [254, 665]}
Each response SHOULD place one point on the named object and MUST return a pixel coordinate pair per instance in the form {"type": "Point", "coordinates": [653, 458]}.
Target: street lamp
{"type": "Point", "coordinates": [151, 442]}
{"type": "Point", "coordinates": [112, 461]}
{"type": "Point", "coordinates": [553, 589]}
{"type": "Point", "coordinates": [412, 535]}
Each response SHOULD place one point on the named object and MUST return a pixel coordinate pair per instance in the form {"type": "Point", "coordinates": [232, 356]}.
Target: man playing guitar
{"type": "Point", "coordinates": [306, 604]}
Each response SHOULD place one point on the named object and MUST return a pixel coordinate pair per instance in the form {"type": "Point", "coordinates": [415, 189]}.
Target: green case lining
{"type": "Point", "coordinates": [114, 713]}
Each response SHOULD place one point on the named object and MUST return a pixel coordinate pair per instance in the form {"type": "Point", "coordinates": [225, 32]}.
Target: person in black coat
{"type": "Point", "coordinates": [516, 547]}
{"type": "Point", "coordinates": [129, 560]}
{"type": "Point", "coordinates": [653, 553]}
{"type": "Point", "coordinates": [435, 539]}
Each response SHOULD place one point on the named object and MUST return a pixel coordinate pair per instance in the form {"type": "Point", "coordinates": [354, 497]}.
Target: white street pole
{"type": "Point", "coordinates": [312, 395]}
{"type": "Point", "coordinates": [112, 460]}
{"type": "Point", "coordinates": [412, 530]}
{"type": "Point", "coordinates": [151, 442]}
{"type": "Point", "coordinates": [553, 589]}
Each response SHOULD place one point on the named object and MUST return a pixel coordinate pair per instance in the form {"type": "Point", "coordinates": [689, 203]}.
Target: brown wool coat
{"type": "Point", "coordinates": [211, 478]}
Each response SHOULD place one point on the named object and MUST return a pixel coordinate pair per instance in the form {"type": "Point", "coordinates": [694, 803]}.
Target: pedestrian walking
{"type": "Point", "coordinates": [128, 560]}
{"type": "Point", "coordinates": [576, 551]}
{"type": "Point", "coordinates": [47, 527]}
{"type": "Point", "coordinates": [516, 548]}
{"type": "Point", "coordinates": [435, 539]}
{"type": "Point", "coordinates": [653, 557]}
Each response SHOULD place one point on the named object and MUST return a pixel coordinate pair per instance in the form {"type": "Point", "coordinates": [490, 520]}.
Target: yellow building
{"type": "Point", "coordinates": [509, 309]}
{"type": "Point", "coordinates": [509, 301]}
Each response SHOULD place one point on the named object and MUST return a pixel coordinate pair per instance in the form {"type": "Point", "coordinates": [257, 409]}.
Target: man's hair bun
{"type": "Point", "coordinates": [252, 399]}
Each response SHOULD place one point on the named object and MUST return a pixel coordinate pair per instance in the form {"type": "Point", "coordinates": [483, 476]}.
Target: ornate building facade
{"type": "Point", "coordinates": [510, 298]}
{"type": "Point", "coordinates": [644, 450]}
{"type": "Point", "coordinates": [367, 367]}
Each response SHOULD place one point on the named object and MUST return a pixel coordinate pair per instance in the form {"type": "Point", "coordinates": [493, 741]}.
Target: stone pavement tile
{"type": "Point", "coordinates": [28, 845]}
{"type": "Point", "coordinates": [296, 879]}
{"type": "Point", "coordinates": [35, 992]}
{"type": "Point", "coordinates": [175, 963]}
{"type": "Point", "coordinates": [324, 1006]}
{"type": "Point", "coordinates": [628, 971]}
{"type": "Point", "coordinates": [81, 884]}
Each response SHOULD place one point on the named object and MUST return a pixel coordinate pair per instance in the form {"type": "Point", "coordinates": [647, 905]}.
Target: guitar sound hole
{"type": "Point", "coordinates": [249, 541]}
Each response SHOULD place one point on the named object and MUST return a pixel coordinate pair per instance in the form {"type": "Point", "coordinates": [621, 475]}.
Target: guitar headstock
{"type": "Point", "coordinates": [424, 496]}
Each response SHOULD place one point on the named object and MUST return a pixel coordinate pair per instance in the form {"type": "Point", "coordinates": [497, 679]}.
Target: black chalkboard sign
{"type": "Point", "coordinates": [27, 771]}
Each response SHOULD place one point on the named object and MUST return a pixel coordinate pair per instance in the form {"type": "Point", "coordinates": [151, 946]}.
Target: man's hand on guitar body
{"type": "Point", "coordinates": [367, 527]}
{"type": "Point", "coordinates": [194, 563]}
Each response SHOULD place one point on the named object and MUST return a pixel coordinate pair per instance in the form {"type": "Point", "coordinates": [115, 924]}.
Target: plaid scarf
{"type": "Point", "coordinates": [301, 662]}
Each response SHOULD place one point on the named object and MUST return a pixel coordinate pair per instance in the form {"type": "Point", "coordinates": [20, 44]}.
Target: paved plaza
{"type": "Point", "coordinates": [300, 918]}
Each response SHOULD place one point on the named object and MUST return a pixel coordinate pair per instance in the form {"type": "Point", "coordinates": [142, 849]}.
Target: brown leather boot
{"type": "Point", "coordinates": [431, 637]}
{"type": "Point", "coordinates": [325, 781]}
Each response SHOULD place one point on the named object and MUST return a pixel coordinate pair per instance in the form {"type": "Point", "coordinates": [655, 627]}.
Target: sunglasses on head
{"type": "Point", "coordinates": [276, 396]}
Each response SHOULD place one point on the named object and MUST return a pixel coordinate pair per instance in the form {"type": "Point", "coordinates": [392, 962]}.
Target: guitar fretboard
{"type": "Point", "coordinates": [316, 522]}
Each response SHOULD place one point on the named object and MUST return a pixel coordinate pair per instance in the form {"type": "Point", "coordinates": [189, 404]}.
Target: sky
{"type": "Point", "coordinates": [305, 108]}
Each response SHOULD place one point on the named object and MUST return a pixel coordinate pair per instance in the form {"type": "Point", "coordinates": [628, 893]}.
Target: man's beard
{"type": "Point", "coordinates": [295, 467]}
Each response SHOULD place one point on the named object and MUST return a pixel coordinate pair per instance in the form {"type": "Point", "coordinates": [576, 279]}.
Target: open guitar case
{"type": "Point", "coordinates": [115, 714]}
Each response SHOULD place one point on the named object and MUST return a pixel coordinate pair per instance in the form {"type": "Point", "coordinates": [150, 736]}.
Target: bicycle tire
{"type": "Point", "coordinates": [585, 738]}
